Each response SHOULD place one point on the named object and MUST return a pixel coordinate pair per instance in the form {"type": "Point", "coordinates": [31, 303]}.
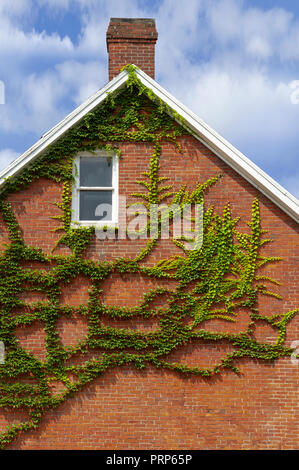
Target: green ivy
{"type": "Point", "coordinates": [213, 282]}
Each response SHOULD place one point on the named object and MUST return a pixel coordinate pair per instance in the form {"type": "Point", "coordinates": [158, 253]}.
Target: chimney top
{"type": "Point", "coordinates": [131, 41]}
{"type": "Point", "coordinates": [133, 20]}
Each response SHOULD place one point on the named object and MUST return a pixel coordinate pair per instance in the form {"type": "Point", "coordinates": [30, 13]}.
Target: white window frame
{"type": "Point", "coordinates": [76, 222]}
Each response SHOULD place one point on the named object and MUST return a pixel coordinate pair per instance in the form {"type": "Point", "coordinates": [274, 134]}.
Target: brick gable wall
{"type": "Point", "coordinates": [157, 409]}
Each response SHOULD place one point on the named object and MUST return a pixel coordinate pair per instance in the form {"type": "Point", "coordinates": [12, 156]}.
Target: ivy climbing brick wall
{"type": "Point", "coordinates": [214, 388]}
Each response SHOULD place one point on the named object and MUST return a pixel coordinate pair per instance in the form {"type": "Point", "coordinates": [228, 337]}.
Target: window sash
{"type": "Point", "coordinates": [93, 170]}
{"type": "Point", "coordinates": [77, 188]}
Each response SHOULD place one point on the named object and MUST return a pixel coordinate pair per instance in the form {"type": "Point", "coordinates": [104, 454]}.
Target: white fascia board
{"type": "Point", "coordinates": [208, 136]}
{"type": "Point", "coordinates": [227, 152]}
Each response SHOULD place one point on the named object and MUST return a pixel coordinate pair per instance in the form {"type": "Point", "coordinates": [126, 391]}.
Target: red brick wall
{"type": "Point", "coordinates": [157, 409]}
{"type": "Point", "coordinates": [131, 41]}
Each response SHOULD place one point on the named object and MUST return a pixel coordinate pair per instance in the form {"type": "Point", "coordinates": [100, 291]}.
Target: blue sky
{"type": "Point", "coordinates": [230, 61]}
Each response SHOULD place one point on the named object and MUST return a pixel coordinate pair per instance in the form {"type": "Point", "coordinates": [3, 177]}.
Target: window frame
{"type": "Point", "coordinates": [76, 222]}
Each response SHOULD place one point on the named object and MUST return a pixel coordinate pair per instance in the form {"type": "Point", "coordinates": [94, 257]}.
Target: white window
{"type": "Point", "coordinates": [95, 192]}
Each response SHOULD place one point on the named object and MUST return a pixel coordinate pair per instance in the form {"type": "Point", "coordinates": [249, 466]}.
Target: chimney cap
{"type": "Point", "coordinates": [140, 29]}
{"type": "Point", "coordinates": [133, 20]}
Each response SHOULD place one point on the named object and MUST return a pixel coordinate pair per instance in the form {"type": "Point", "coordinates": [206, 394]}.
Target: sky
{"type": "Point", "coordinates": [233, 62]}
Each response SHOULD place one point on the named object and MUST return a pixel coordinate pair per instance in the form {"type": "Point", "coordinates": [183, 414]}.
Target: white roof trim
{"type": "Point", "coordinates": [221, 147]}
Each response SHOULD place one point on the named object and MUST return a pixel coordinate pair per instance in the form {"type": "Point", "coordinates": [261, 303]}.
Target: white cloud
{"type": "Point", "coordinates": [95, 19]}
{"type": "Point", "coordinates": [20, 42]}
{"type": "Point", "coordinates": [8, 7]}
{"type": "Point", "coordinates": [41, 95]}
{"type": "Point", "coordinates": [249, 107]}
{"type": "Point", "coordinates": [258, 33]}
{"type": "Point", "coordinates": [180, 32]}
{"type": "Point", "coordinates": [243, 102]}
{"type": "Point", "coordinates": [37, 105]}
{"type": "Point", "coordinates": [16, 43]}
{"type": "Point", "coordinates": [40, 103]}
{"type": "Point", "coordinates": [82, 78]}
{"type": "Point", "coordinates": [64, 4]}
{"type": "Point", "coordinates": [259, 47]}
{"type": "Point", "coordinates": [92, 41]}
{"type": "Point", "coordinates": [6, 157]}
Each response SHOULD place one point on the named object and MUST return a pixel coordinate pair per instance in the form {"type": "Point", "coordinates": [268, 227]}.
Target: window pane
{"type": "Point", "coordinates": [96, 205]}
{"type": "Point", "coordinates": [96, 171]}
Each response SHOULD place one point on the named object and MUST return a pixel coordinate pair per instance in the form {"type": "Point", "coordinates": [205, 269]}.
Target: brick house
{"type": "Point", "coordinates": [118, 340]}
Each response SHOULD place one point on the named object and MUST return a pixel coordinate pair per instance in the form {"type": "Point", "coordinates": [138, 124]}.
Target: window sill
{"type": "Point", "coordinates": [94, 224]}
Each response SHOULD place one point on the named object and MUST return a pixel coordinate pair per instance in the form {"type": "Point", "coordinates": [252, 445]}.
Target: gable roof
{"type": "Point", "coordinates": [208, 136]}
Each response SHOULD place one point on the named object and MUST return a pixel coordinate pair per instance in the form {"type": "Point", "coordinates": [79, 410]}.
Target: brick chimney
{"type": "Point", "coordinates": [131, 41]}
